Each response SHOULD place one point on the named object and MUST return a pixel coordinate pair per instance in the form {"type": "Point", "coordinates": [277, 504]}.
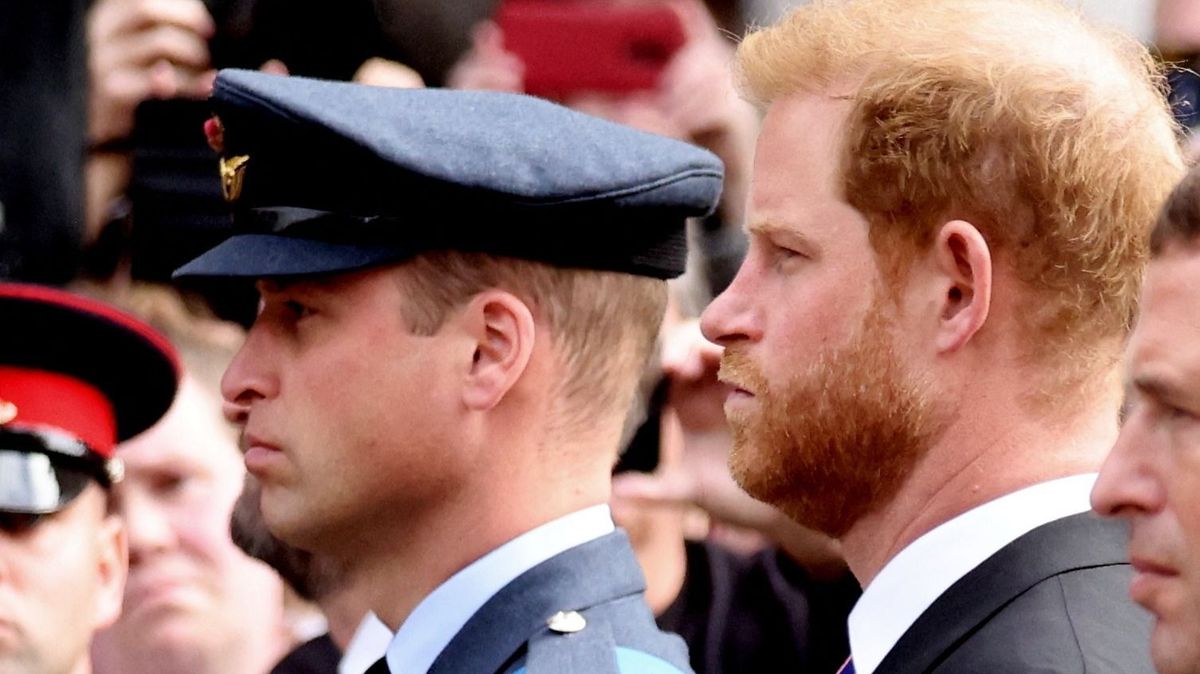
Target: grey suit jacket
{"type": "Point", "coordinates": [601, 580]}
{"type": "Point", "coordinates": [1055, 600]}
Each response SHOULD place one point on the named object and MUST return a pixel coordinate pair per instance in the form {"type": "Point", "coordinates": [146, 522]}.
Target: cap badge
{"type": "Point", "coordinates": [115, 468]}
{"type": "Point", "coordinates": [232, 171]}
{"type": "Point", "coordinates": [566, 622]}
{"type": "Point", "coordinates": [8, 411]}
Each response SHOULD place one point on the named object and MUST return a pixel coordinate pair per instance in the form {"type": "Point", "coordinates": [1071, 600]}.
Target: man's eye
{"type": "Point", "coordinates": [1176, 413]}
{"type": "Point", "coordinates": [169, 483]}
{"type": "Point", "coordinates": [297, 310]}
{"type": "Point", "coordinates": [784, 255]}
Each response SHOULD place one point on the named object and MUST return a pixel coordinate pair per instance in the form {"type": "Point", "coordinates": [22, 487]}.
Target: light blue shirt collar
{"type": "Point", "coordinates": [435, 621]}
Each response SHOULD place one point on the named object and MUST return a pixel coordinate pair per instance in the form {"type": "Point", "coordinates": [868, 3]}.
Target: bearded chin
{"type": "Point", "coordinates": [837, 443]}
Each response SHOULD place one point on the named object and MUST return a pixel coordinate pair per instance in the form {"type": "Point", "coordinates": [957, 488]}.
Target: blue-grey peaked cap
{"type": "Point", "coordinates": [332, 176]}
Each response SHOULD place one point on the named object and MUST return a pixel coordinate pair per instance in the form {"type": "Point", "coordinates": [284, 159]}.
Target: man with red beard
{"type": "Point", "coordinates": [948, 220]}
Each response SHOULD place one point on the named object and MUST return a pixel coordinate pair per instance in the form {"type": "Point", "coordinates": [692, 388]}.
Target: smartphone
{"type": "Point", "coordinates": [644, 451]}
{"type": "Point", "coordinates": [590, 45]}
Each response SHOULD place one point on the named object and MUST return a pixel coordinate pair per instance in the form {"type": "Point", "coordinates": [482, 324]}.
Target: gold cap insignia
{"type": "Point", "coordinates": [232, 171]}
{"type": "Point", "coordinates": [115, 468]}
{"type": "Point", "coordinates": [8, 411]}
{"type": "Point", "coordinates": [566, 622]}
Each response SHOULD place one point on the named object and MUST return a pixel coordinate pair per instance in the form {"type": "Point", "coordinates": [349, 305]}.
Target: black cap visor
{"type": "Point", "coordinates": [40, 473]}
{"type": "Point", "coordinates": [273, 255]}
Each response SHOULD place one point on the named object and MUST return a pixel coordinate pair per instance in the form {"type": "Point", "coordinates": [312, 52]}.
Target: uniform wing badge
{"type": "Point", "coordinates": [233, 170]}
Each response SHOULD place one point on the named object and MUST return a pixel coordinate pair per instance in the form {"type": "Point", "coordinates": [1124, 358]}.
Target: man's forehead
{"type": "Point", "coordinates": [1171, 295]}
{"type": "Point", "coordinates": [1165, 349]}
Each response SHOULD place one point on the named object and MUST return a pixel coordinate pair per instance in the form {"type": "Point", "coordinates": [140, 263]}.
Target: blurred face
{"type": "Point", "coordinates": [192, 596]}
{"type": "Point", "coordinates": [341, 409]}
{"type": "Point", "coordinates": [59, 580]}
{"type": "Point", "coordinates": [826, 419]}
{"type": "Point", "coordinates": [1152, 477]}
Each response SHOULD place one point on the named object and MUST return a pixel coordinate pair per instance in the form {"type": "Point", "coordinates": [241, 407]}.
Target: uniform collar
{"type": "Point", "coordinates": [435, 621]}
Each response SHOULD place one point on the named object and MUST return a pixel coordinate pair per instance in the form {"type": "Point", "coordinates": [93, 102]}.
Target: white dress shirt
{"type": "Point", "coordinates": [912, 580]}
{"type": "Point", "coordinates": [435, 621]}
{"type": "Point", "coordinates": [369, 643]}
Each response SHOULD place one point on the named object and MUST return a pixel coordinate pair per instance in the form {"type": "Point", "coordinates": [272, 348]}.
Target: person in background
{"type": "Point", "coordinates": [1151, 479]}
{"type": "Point", "coordinates": [76, 378]}
{"type": "Point", "coordinates": [194, 603]}
{"type": "Point", "coordinates": [948, 221]}
{"type": "Point", "coordinates": [153, 200]}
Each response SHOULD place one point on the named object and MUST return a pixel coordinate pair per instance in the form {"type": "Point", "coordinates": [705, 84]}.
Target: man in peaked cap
{"type": "Point", "coordinates": [459, 290]}
{"type": "Point", "coordinates": [76, 377]}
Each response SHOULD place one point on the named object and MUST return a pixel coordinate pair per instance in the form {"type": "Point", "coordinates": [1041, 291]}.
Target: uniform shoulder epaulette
{"type": "Point", "coordinates": [571, 643]}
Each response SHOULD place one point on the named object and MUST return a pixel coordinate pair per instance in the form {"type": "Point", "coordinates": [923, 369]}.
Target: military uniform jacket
{"type": "Point", "coordinates": [581, 611]}
{"type": "Point", "coordinates": [1053, 601]}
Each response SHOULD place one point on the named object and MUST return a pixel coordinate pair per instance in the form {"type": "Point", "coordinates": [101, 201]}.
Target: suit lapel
{"type": "Point", "coordinates": [1076, 542]}
{"type": "Point", "coordinates": [584, 576]}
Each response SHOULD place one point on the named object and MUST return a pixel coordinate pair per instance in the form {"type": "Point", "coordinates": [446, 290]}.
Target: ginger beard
{"type": "Point", "coordinates": [836, 442]}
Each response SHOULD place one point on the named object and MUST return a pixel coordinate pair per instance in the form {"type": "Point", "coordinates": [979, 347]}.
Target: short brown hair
{"type": "Point", "coordinates": [1179, 222]}
{"type": "Point", "coordinates": [1051, 136]}
{"type": "Point", "coordinates": [604, 324]}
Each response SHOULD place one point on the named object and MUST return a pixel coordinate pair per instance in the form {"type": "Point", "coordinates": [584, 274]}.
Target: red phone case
{"type": "Point", "coordinates": [589, 45]}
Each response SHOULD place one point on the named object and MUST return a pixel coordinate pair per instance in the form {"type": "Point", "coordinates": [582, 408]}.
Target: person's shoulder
{"type": "Point", "coordinates": [620, 660]}
{"type": "Point", "coordinates": [1075, 621]}
{"type": "Point", "coordinates": [613, 638]}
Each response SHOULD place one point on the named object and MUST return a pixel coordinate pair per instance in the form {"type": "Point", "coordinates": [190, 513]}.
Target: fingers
{"type": "Point", "coordinates": [384, 73]}
{"type": "Point", "coordinates": [142, 49]}
{"type": "Point", "coordinates": [274, 67]}
{"type": "Point", "coordinates": [111, 18]}
{"type": "Point", "coordinates": [687, 355]}
{"type": "Point", "coordinates": [668, 489]}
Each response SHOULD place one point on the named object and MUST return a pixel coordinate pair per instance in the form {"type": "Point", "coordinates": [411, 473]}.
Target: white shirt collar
{"type": "Point", "coordinates": [912, 580]}
{"type": "Point", "coordinates": [369, 643]}
{"type": "Point", "coordinates": [435, 621]}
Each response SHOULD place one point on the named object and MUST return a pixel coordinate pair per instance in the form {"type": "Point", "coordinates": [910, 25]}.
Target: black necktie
{"type": "Point", "coordinates": [380, 667]}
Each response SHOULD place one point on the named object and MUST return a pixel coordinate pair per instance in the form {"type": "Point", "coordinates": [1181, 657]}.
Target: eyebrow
{"type": "Point", "coordinates": [1154, 386]}
{"type": "Point", "coordinates": [771, 228]}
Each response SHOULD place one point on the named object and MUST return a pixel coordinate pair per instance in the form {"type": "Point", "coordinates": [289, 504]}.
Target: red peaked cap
{"type": "Point", "coordinates": [76, 365]}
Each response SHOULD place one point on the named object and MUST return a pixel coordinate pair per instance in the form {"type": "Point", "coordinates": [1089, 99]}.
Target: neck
{"type": "Point", "coordinates": [973, 462]}
{"type": "Point", "coordinates": [415, 552]}
{"type": "Point", "coordinates": [344, 608]}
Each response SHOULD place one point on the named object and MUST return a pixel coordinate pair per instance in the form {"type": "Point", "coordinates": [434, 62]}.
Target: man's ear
{"type": "Point", "coordinates": [964, 265]}
{"type": "Point", "coordinates": [112, 559]}
{"type": "Point", "coordinates": [502, 327]}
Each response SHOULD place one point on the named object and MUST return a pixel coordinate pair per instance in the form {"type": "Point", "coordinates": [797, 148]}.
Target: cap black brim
{"type": "Point", "coordinates": [270, 255]}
